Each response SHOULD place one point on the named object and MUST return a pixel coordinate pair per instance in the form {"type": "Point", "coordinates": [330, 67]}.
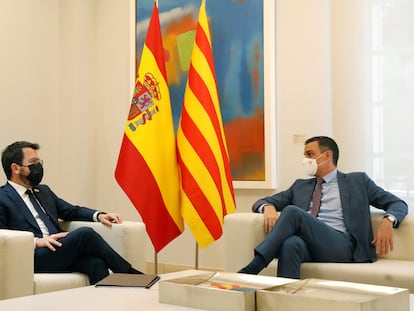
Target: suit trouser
{"type": "Point", "coordinates": [299, 237]}
{"type": "Point", "coordinates": [83, 250]}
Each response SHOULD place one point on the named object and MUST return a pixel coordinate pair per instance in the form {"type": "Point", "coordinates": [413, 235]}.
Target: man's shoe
{"type": "Point", "coordinates": [134, 271]}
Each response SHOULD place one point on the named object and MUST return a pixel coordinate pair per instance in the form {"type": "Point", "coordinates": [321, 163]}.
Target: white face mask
{"type": "Point", "coordinates": [311, 166]}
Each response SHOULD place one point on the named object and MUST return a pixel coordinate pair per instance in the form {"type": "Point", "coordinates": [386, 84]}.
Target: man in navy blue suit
{"type": "Point", "coordinates": [339, 230]}
{"type": "Point", "coordinates": [26, 205]}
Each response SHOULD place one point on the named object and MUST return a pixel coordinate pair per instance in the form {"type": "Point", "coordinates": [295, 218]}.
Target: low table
{"type": "Point", "coordinates": [98, 298]}
{"type": "Point", "coordinates": [104, 298]}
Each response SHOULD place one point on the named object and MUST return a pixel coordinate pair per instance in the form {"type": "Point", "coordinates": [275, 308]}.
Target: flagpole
{"type": "Point", "coordinates": [196, 256]}
{"type": "Point", "coordinates": [155, 262]}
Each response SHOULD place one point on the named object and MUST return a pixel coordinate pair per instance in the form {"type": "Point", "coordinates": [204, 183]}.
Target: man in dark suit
{"type": "Point", "coordinates": [26, 205]}
{"type": "Point", "coordinates": [335, 227]}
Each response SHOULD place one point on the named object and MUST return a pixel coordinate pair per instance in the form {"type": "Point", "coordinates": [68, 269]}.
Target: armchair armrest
{"type": "Point", "coordinates": [242, 232]}
{"type": "Point", "coordinates": [16, 263]}
{"type": "Point", "coordinates": [128, 238]}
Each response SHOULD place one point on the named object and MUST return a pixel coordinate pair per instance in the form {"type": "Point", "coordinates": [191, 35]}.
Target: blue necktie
{"type": "Point", "coordinates": [45, 218]}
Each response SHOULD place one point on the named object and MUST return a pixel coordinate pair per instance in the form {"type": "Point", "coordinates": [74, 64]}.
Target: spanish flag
{"type": "Point", "coordinates": [147, 168]}
{"type": "Point", "coordinates": [206, 185]}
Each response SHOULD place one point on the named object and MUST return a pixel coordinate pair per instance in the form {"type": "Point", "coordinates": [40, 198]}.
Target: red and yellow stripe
{"type": "Point", "coordinates": [206, 185]}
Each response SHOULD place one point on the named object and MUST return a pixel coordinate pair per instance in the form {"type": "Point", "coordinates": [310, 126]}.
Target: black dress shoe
{"type": "Point", "coordinates": [134, 271]}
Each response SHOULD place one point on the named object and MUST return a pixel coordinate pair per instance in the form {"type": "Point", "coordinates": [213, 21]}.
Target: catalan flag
{"type": "Point", "coordinates": [147, 168]}
{"type": "Point", "coordinates": [207, 193]}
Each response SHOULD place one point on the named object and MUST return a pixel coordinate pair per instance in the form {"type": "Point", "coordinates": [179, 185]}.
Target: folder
{"type": "Point", "coordinates": [129, 280]}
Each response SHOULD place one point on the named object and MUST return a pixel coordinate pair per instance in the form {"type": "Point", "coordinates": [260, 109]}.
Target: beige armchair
{"type": "Point", "coordinates": [16, 258]}
{"type": "Point", "coordinates": [243, 231]}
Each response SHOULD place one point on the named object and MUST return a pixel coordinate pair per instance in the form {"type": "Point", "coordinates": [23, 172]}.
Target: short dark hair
{"type": "Point", "coordinates": [326, 143]}
{"type": "Point", "coordinates": [14, 154]}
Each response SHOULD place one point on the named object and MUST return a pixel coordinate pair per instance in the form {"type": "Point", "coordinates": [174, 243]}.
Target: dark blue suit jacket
{"type": "Point", "coordinates": [357, 193]}
{"type": "Point", "coordinates": [14, 214]}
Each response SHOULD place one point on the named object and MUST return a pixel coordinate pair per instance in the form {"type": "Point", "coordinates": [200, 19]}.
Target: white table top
{"type": "Point", "coordinates": [104, 298]}
{"type": "Point", "coordinates": [98, 298]}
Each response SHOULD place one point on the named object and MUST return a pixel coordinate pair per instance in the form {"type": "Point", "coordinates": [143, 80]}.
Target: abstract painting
{"type": "Point", "coordinates": [238, 38]}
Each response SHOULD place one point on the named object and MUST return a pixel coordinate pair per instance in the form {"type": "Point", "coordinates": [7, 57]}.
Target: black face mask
{"type": "Point", "coordinates": [36, 174]}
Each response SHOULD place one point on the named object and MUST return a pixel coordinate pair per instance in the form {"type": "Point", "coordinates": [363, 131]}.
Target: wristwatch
{"type": "Point", "coordinates": [391, 218]}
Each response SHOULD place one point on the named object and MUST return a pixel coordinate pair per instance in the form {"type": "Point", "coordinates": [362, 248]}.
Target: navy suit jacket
{"type": "Point", "coordinates": [15, 215]}
{"type": "Point", "coordinates": [357, 193]}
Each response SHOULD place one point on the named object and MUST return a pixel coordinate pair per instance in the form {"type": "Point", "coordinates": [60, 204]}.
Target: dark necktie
{"type": "Point", "coordinates": [316, 201]}
{"type": "Point", "coordinates": [50, 226]}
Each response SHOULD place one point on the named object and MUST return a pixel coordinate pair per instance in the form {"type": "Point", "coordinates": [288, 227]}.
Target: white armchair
{"type": "Point", "coordinates": [17, 252]}
{"type": "Point", "coordinates": [243, 231]}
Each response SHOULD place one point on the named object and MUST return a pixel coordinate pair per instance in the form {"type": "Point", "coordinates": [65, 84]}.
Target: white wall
{"type": "Point", "coordinates": [350, 76]}
{"type": "Point", "coordinates": [30, 74]}
{"type": "Point", "coordinates": [65, 83]}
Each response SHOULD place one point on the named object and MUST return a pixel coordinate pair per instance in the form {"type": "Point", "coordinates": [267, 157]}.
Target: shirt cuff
{"type": "Point", "coordinates": [260, 209]}
{"type": "Point", "coordinates": [95, 216]}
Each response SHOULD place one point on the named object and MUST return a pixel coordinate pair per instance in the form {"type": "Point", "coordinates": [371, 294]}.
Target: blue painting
{"type": "Point", "coordinates": [236, 28]}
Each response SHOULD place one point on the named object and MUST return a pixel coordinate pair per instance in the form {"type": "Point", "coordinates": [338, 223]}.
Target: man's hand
{"type": "Point", "coordinates": [51, 241]}
{"type": "Point", "coordinates": [110, 218]}
{"type": "Point", "coordinates": [383, 240]}
{"type": "Point", "coordinates": [270, 217]}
